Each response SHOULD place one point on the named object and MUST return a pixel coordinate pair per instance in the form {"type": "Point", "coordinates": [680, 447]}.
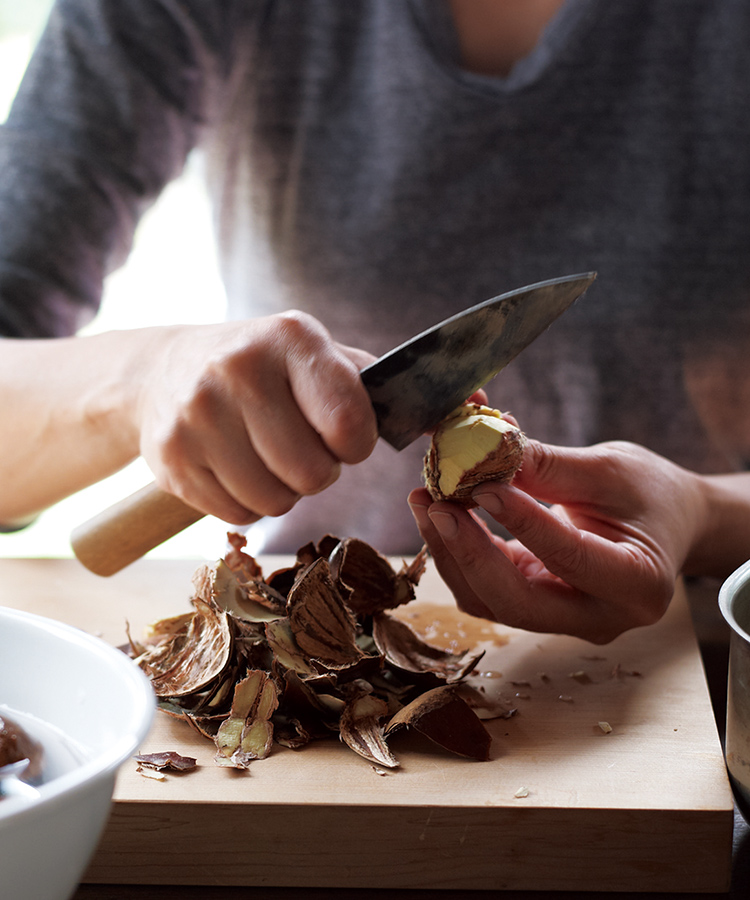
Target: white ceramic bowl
{"type": "Point", "coordinates": [92, 707]}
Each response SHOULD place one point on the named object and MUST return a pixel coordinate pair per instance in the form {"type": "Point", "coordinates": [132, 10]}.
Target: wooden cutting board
{"type": "Point", "coordinates": [564, 803]}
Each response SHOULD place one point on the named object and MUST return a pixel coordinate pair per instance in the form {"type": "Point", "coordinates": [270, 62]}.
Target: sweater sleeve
{"type": "Point", "coordinates": [114, 98]}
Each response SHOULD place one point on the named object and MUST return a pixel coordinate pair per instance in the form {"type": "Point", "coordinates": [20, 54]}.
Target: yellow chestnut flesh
{"type": "Point", "coordinates": [472, 445]}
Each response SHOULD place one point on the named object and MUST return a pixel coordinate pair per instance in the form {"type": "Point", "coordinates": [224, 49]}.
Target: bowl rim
{"type": "Point", "coordinates": [105, 763]}
{"type": "Point", "coordinates": [727, 596]}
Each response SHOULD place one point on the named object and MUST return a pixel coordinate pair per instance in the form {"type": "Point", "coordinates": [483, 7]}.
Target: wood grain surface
{"type": "Point", "coordinates": [562, 805]}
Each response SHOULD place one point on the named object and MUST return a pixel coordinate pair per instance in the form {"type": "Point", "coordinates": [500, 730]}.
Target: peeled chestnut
{"type": "Point", "coordinates": [472, 445]}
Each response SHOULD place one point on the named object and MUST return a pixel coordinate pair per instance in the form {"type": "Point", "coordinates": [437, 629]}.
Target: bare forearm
{"type": "Point", "coordinates": [238, 419]}
{"type": "Point", "coordinates": [724, 541]}
{"type": "Point", "coordinates": [67, 411]}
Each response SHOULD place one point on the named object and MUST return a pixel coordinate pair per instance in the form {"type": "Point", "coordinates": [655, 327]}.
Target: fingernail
{"type": "Point", "coordinates": [488, 501]}
{"type": "Point", "coordinates": [445, 524]}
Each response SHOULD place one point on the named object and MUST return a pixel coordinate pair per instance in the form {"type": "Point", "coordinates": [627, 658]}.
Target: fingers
{"type": "Point", "coordinates": [202, 491]}
{"type": "Point", "coordinates": [280, 446]}
{"type": "Point", "coordinates": [327, 389]}
{"type": "Point", "coordinates": [246, 418]}
{"type": "Point", "coordinates": [579, 557]}
{"type": "Point", "coordinates": [213, 467]}
{"type": "Point", "coordinates": [493, 582]}
{"type": "Point", "coordinates": [625, 567]}
{"type": "Point", "coordinates": [555, 578]}
{"type": "Point", "coordinates": [438, 525]}
{"type": "Point", "coordinates": [479, 397]}
{"type": "Point", "coordinates": [359, 358]}
{"type": "Point", "coordinates": [582, 475]}
{"type": "Point", "coordinates": [310, 413]}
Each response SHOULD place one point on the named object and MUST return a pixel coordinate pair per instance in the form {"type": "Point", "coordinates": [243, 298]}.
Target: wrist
{"type": "Point", "coordinates": [117, 405]}
{"type": "Point", "coordinates": [722, 536]}
{"type": "Point", "coordinates": [111, 403]}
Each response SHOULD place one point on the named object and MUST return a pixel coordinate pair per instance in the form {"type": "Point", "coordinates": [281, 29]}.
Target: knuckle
{"type": "Point", "coordinates": [201, 406]}
{"type": "Point", "coordinates": [271, 499]}
{"type": "Point", "coordinates": [649, 609]}
{"type": "Point", "coordinates": [313, 479]}
{"type": "Point", "coordinates": [237, 373]}
{"type": "Point", "coordinates": [297, 328]}
{"type": "Point", "coordinates": [277, 505]}
{"type": "Point", "coordinates": [350, 428]}
{"type": "Point", "coordinates": [603, 636]}
{"type": "Point", "coordinates": [231, 368]}
{"type": "Point", "coordinates": [623, 448]}
{"type": "Point", "coordinates": [605, 622]}
{"type": "Point", "coordinates": [178, 480]}
{"type": "Point", "coordinates": [538, 459]}
{"type": "Point", "coordinates": [243, 517]}
{"type": "Point", "coordinates": [473, 557]}
{"type": "Point", "coordinates": [655, 603]}
{"type": "Point", "coordinates": [654, 589]}
{"type": "Point", "coordinates": [170, 446]}
{"type": "Point", "coordinates": [565, 559]}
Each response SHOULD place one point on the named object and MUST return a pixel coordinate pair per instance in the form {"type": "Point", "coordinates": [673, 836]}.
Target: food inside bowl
{"type": "Point", "coordinates": [16, 744]}
{"type": "Point", "coordinates": [50, 752]}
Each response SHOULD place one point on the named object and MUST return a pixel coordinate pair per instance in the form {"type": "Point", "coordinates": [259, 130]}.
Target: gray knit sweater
{"type": "Point", "coordinates": [360, 174]}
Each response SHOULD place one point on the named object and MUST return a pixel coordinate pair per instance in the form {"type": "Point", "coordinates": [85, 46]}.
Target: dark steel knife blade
{"type": "Point", "coordinates": [416, 385]}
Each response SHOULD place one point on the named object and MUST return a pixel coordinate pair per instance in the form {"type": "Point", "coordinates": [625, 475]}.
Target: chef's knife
{"type": "Point", "coordinates": [412, 389]}
{"type": "Point", "coordinates": [415, 386]}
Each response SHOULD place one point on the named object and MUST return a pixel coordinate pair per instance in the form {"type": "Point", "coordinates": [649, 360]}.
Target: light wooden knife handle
{"type": "Point", "coordinates": [127, 530]}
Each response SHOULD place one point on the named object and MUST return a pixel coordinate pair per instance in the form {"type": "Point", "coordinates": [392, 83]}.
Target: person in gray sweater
{"type": "Point", "coordinates": [375, 166]}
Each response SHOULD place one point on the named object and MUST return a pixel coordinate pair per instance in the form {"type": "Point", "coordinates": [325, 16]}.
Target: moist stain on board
{"type": "Point", "coordinates": [448, 628]}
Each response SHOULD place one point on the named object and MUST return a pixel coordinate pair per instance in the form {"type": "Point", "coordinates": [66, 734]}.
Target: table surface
{"type": "Point", "coordinates": [713, 636]}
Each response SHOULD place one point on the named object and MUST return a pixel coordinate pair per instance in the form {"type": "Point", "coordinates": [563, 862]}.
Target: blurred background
{"type": "Point", "coordinates": [171, 276]}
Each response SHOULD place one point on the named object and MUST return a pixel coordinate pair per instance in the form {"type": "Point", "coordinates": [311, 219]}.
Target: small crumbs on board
{"type": "Point", "coordinates": [619, 672]}
{"type": "Point", "coordinates": [153, 774]}
{"type": "Point", "coordinates": [154, 765]}
{"type": "Point", "coordinates": [167, 759]}
{"type": "Point", "coordinates": [521, 793]}
{"type": "Point", "coordinates": [605, 727]}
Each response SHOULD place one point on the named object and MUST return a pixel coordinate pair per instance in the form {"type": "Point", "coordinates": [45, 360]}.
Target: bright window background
{"type": "Point", "coordinates": [171, 276]}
